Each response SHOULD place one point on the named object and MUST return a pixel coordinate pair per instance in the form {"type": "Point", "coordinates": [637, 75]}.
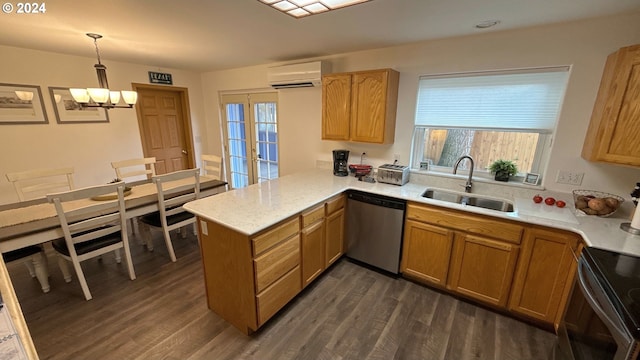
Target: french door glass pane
{"type": "Point", "coordinates": [266, 140]}
{"type": "Point", "coordinates": [237, 145]}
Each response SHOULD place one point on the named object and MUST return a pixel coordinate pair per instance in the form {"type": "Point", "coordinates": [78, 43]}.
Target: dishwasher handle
{"type": "Point", "coordinates": [377, 200]}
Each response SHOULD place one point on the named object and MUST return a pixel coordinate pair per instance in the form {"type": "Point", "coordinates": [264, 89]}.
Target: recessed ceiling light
{"type": "Point", "coordinates": [302, 8]}
{"type": "Point", "coordinates": [487, 24]}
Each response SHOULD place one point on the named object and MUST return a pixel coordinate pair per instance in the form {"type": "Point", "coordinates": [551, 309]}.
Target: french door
{"type": "Point", "coordinates": [251, 137]}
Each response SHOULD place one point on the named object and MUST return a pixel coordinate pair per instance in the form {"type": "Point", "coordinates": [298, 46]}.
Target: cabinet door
{"type": "Point", "coordinates": [335, 236]}
{"type": "Point", "coordinates": [483, 268]}
{"type": "Point", "coordinates": [336, 106]}
{"type": "Point", "coordinates": [369, 107]}
{"type": "Point", "coordinates": [426, 252]}
{"type": "Point", "coordinates": [542, 274]}
{"type": "Point", "coordinates": [312, 239]}
{"type": "Point", "coordinates": [613, 135]}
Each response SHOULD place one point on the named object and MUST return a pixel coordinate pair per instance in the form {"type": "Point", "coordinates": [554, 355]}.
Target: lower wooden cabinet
{"type": "Point", "coordinates": [312, 246]}
{"type": "Point", "coordinates": [334, 224]}
{"type": "Point", "coordinates": [483, 268]}
{"type": "Point", "coordinates": [426, 252]}
{"type": "Point", "coordinates": [249, 278]}
{"type": "Point", "coordinates": [278, 295]}
{"type": "Point", "coordinates": [544, 270]}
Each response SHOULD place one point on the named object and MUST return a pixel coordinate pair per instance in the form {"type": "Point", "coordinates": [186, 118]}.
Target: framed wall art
{"type": "Point", "coordinates": [68, 111]}
{"type": "Point", "coordinates": [21, 104]}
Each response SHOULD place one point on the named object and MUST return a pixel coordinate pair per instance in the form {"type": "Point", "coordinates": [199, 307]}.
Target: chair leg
{"type": "Point", "coordinates": [39, 265]}
{"type": "Point", "coordinates": [195, 229]}
{"type": "Point", "coordinates": [145, 233]}
{"type": "Point", "coordinates": [127, 256]}
{"type": "Point", "coordinates": [82, 280]}
{"type": "Point", "coordinates": [183, 232]}
{"type": "Point", "coordinates": [30, 268]}
{"type": "Point", "coordinates": [64, 268]}
{"type": "Point", "coordinates": [133, 225]}
{"type": "Point", "coordinates": [167, 240]}
{"type": "Point", "coordinates": [116, 252]}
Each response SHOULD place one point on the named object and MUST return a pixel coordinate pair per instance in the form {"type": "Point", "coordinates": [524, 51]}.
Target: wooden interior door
{"type": "Point", "coordinates": [165, 127]}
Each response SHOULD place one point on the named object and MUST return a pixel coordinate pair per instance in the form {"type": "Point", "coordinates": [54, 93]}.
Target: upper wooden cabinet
{"type": "Point", "coordinates": [614, 135]}
{"type": "Point", "coordinates": [360, 106]}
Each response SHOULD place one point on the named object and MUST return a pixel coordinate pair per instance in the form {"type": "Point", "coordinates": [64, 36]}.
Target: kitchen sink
{"type": "Point", "coordinates": [469, 199]}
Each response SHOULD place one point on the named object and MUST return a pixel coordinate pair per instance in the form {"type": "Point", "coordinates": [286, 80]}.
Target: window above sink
{"type": "Point", "coordinates": [490, 115]}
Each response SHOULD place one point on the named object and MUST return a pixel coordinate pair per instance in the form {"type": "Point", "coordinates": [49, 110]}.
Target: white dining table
{"type": "Point", "coordinates": [36, 222]}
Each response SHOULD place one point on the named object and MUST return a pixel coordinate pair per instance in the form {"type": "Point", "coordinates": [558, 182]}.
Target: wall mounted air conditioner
{"type": "Point", "coordinates": [297, 75]}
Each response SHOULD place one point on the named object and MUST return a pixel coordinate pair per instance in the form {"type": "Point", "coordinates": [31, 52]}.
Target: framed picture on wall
{"type": "Point", "coordinates": [21, 104]}
{"type": "Point", "coordinates": [68, 111]}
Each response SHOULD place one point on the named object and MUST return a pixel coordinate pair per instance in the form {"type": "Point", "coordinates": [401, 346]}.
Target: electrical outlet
{"type": "Point", "coordinates": [569, 177]}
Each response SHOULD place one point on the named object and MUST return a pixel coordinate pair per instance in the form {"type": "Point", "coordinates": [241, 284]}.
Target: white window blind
{"type": "Point", "coordinates": [528, 99]}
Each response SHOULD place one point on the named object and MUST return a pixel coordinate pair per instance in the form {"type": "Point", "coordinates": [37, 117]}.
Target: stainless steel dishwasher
{"type": "Point", "coordinates": [374, 230]}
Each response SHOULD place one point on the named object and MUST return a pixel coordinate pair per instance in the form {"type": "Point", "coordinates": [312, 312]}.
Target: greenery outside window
{"type": "Point", "coordinates": [507, 115]}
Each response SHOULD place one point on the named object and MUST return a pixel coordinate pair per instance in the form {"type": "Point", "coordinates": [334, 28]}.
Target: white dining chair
{"type": "Point", "coordinates": [134, 169]}
{"type": "Point", "coordinates": [36, 261]}
{"type": "Point", "coordinates": [29, 185]}
{"type": "Point", "coordinates": [37, 183]}
{"type": "Point", "coordinates": [174, 189]}
{"type": "Point", "coordinates": [212, 166]}
{"type": "Point", "coordinates": [93, 230]}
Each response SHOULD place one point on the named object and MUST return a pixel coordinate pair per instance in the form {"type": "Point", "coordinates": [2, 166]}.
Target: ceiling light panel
{"type": "Point", "coordinates": [302, 8]}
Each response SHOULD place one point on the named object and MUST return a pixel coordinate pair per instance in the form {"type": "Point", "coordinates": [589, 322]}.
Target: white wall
{"type": "Point", "coordinates": [584, 45]}
{"type": "Point", "coordinates": [89, 148]}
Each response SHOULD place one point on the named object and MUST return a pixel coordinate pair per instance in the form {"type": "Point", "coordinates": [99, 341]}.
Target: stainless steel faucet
{"type": "Point", "coordinates": [467, 186]}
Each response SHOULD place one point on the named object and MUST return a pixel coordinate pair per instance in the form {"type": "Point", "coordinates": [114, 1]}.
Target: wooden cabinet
{"type": "Point", "coordinates": [360, 106]}
{"type": "Point", "coordinates": [426, 252]}
{"type": "Point", "coordinates": [526, 269]}
{"type": "Point", "coordinates": [249, 278]}
{"type": "Point", "coordinates": [470, 254]}
{"type": "Point", "coordinates": [613, 135]}
{"type": "Point", "coordinates": [482, 268]}
{"type": "Point", "coordinates": [334, 226]}
{"type": "Point", "coordinates": [544, 271]}
{"type": "Point", "coordinates": [312, 244]}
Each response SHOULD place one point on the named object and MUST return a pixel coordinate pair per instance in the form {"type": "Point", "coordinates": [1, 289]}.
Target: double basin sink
{"type": "Point", "coordinates": [469, 199]}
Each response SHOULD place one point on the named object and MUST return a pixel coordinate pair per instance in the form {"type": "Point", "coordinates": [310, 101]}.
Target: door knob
{"type": "Point", "coordinates": [184, 152]}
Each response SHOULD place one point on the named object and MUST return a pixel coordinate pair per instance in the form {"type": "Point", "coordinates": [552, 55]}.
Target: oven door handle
{"type": "Point", "coordinates": [614, 326]}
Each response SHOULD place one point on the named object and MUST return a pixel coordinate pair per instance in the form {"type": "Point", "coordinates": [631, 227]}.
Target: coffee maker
{"type": "Point", "coordinates": [340, 158]}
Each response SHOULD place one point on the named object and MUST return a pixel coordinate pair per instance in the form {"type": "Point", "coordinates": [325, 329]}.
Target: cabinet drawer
{"type": "Point", "coordinates": [473, 224]}
{"type": "Point", "coordinates": [334, 204]}
{"type": "Point", "coordinates": [278, 295]}
{"type": "Point", "coordinates": [274, 236]}
{"type": "Point", "coordinates": [278, 261]}
{"type": "Point", "coordinates": [311, 216]}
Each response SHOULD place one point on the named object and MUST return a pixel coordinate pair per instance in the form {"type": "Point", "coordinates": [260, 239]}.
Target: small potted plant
{"type": "Point", "coordinates": [503, 169]}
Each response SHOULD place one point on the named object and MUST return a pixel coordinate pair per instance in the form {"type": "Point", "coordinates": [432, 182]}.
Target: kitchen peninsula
{"type": "Point", "coordinates": [250, 237]}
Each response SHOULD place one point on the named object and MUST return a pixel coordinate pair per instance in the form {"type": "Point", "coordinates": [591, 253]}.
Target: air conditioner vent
{"type": "Point", "coordinates": [297, 75]}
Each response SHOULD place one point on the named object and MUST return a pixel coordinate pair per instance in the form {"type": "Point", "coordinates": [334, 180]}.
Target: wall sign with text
{"type": "Point", "coordinates": [160, 78]}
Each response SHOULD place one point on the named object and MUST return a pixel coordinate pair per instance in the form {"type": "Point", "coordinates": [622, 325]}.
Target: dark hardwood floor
{"type": "Point", "coordinates": [349, 313]}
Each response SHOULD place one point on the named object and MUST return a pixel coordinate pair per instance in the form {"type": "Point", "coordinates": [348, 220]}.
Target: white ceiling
{"type": "Point", "coordinates": [222, 34]}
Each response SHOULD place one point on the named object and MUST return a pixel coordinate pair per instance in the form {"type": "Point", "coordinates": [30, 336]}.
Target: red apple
{"type": "Point", "coordinates": [561, 204]}
{"type": "Point", "coordinates": [549, 201]}
{"type": "Point", "coordinates": [537, 199]}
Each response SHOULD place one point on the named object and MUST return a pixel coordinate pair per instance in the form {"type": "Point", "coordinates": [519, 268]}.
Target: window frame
{"type": "Point", "coordinates": [545, 139]}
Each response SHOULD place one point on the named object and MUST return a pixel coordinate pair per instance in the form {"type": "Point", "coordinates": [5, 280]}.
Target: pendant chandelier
{"type": "Point", "coordinates": [102, 96]}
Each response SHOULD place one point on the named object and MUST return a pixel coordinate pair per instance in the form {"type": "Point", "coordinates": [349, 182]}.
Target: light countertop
{"type": "Point", "coordinates": [252, 209]}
